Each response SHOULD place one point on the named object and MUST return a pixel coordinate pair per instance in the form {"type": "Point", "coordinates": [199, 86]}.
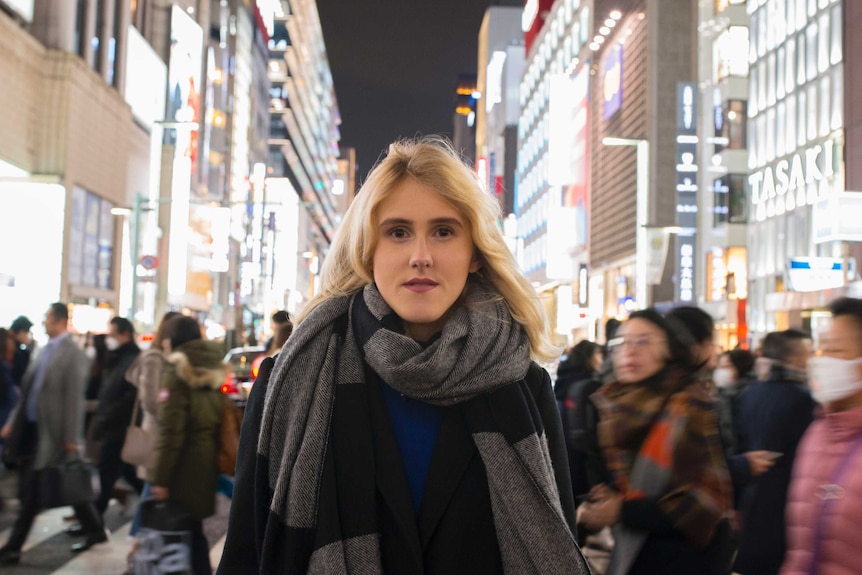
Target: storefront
{"type": "Point", "coordinates": [796, 118]}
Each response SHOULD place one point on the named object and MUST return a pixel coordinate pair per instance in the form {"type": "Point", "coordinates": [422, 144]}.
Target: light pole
{"type": "Point", "coordinates": [641, 211]}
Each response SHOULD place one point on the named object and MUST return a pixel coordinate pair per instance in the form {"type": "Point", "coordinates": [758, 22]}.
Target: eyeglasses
{"type": "Point", "coordinates": [637, 343]}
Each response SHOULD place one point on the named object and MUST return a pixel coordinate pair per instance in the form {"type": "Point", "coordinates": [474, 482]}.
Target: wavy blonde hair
{"type": "Point", "coordinates": [432, 161]}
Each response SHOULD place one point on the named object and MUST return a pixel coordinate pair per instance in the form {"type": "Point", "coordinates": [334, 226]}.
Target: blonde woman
{"type": "Point", "coordinates": [404, 428]}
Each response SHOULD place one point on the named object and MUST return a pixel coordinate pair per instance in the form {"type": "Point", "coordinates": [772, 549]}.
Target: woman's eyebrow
{"type": "Point", "coordinates": [435, 221]}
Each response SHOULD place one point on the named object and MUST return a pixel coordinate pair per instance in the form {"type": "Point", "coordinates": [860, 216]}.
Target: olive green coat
{"type": "Point", "coordinates": [190, 412]}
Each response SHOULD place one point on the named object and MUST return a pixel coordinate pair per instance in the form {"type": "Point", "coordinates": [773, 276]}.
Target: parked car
{"type": "Point", "coordinates": [241, 372]}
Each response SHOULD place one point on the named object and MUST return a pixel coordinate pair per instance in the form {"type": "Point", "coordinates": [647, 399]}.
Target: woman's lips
{"type": "Point", "coordinates": [420, 285]}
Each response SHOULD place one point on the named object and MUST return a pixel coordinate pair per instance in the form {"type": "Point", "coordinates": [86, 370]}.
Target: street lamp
{"type": "Point", "coordinates": [642, 213]}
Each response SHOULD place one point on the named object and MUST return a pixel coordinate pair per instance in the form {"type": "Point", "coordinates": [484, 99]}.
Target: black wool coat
{"type": "Point", "coordinates": [454, 533]}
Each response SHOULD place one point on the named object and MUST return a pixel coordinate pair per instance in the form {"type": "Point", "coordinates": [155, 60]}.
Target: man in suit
{"type": "Point", "coordinates": [45, 428]}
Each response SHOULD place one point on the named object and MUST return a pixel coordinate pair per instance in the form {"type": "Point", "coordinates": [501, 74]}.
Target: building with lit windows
{"type": "Point", "coordinates": [607, 157]}
{"type": "Point", "coordinates": [804, 169]}
{"type": "Point", "coordinates": [723, 211]}
{"type": "Point", "coordinates": [501, 65]}
{"type": "Point", "coordinates": [464, 120]}
{"type": "Point", "coordinates": [551, 197]}
{"type": "Point", "coordinates": [302, 171]}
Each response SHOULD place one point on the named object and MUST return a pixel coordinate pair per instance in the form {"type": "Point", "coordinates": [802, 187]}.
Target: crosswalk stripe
{"type": "Point", "coordinates": [104, 559]}
{"type": "Point", "coordinates": [47, 524]}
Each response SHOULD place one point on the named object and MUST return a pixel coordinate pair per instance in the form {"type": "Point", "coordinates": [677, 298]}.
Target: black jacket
{"type": "Point", "coordinates": [773, 415]}
{"type": "Point", "coordinates": [454, 533]}
{"type": "Point", "coordinates": [116, 396]}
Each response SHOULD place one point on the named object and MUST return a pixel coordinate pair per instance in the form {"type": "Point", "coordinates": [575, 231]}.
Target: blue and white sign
{"type": "Point", "coordinates": [815, 274]}
{"type": "Point", "coordinates": [612, 81]}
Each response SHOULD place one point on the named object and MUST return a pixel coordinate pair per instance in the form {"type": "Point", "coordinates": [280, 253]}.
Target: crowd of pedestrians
{"type": "Point", "coordinates": [404, 424]}
{"type": "Point", "coordinates": [98, 387]}
{"type": "Point", "coordinates": [719, 461]}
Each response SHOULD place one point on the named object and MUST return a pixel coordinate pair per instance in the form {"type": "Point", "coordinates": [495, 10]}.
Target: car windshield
{"type": "Point", "coordinates": [241, 362]}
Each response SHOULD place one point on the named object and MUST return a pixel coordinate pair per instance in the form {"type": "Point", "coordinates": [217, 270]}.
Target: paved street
{"type": "Point", "coordinates": [47, 549]}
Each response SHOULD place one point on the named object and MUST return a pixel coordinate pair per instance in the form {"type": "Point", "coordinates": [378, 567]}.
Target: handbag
{"type": "Point", "coordinates": [165, 539]}
{"type": "Point", "coordinates": [65, 484]}
{"type": "Point", "coordinates": [139, 447]}
{"type": "Point", "coordinates": [228, 445]}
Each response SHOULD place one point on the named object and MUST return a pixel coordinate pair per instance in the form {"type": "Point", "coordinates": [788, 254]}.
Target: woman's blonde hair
{"type": "Point", "coordinates": [433, 162]}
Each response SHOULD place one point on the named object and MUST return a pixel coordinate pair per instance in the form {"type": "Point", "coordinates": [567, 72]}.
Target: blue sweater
{"type": "Point", "coordinates": [416, 425]}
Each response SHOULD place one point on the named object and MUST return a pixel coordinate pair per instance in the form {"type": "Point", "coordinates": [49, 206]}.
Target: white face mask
{"type": "Point", "coordinates": [833, 379]}
{"type": "Point", "coordinates": [90, 352]}
{"type": "Point", "coordinates": [723, 377]}
{"type": "Point", "coordinates": [111, 343]}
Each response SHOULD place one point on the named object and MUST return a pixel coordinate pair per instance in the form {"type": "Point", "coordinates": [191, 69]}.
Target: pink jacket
{"type": "Point", "coordinates": [819, 503]}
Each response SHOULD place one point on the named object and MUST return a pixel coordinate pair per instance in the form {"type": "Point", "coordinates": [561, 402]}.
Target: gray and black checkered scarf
{"type": "Point", "coordinates": [480, 352]}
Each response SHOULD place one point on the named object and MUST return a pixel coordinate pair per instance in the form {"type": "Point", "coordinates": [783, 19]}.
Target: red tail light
{"type": "Point", "coordinates": [228, 388]}
{"type": "Point", "coordinates": [254, 371]}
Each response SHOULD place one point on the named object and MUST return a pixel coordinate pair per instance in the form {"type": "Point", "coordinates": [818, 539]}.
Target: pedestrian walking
{"type": "Point", "coordinates": [191, 406]}
{"type": "Point", "coordinates": [824, 504]}
{"type": "Point", "coordinates": [20, 330]}
{"type": "Point", "coordinates": [659, 437]}
{"type": "Point", "coordinates": [146, 375]}
{"type": "Point", "coordinates": [773, 416]}
{"type": "Point", "coordinates": [405, 428]}
{"type": "Point", "coordinates": [45, 429]}
{"type": "Point", "coordinates": [116, 402]}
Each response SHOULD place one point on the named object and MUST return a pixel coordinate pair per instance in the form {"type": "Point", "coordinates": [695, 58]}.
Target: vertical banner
{"type": "Point", "coordinates": [657, 247]}
{"type": "Point", "coordinates": [686, 190]}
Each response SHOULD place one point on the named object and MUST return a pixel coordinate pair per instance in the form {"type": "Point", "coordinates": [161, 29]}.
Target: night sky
{"type": "Point", "coordinates": [395, 65]}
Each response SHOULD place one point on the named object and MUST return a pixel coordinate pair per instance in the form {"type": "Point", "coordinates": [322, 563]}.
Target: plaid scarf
{"type": "Point", "coordinates": [315, 446]}
{"type": "Point", "coordinates": [660, 441]}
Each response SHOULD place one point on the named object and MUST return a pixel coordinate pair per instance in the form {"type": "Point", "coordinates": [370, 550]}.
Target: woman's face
{"type": "Point", "coordinates": [642, 352]}
{"type": "Point", "coordinates": [424, 252]}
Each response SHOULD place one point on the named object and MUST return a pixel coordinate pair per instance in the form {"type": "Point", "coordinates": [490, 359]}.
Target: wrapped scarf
{"type": "Point", "coordinates": [479, 360]}
{"type": "Point", "coordinates": [660, 441]}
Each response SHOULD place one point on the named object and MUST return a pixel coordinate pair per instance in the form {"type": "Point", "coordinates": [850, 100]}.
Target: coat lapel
{"type": "Point", "coordinates": [452, 455]}
{"type": "Point", "coordinates": [391, 479]}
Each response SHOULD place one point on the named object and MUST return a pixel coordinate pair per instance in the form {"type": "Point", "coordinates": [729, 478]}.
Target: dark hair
{"type": "Point", "coordinates": [280, 316]}
{"type": "Point", "coordinates": [742, 360]}
{"type": "Point", "coordinates": [698, 323]}
{"type": "Point", "coordinates": [679, 339]}
{"type": "Point", "coordinates": [21, 323]}
{"type": "Point", "coordinates": [183, 329]}
{"type": "Point", "coordinates": [782, 345]}
{"type": "Point", "coordinates": [123, 325]}
{"type": "Point", "coordinates": [162, 332]}
{"type": "Point", "coordinates": [611, 327]}
{"type": "Point", "coordinates": [5, 334]}
{"type": "Point", "coordinates": [580, 357]}
{"type": "Point", "coordinates": [848, 306]}
{"type": "Point", "coordinates": [281, 336]}
{"type": "Point", "coordinates": [59, 310]}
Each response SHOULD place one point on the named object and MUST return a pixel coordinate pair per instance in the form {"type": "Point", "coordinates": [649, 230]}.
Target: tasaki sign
{"type": "Point", "coordinates": [783, 186]}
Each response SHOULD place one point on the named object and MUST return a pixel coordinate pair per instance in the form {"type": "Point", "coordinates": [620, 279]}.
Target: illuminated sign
{"type": "Point", "coordinates": [612, 82]}
{"type": "Point", "coordinates": [528, 17]}
{"type": "Point", "coordinates": [815, 274]}
{"type": "Point", "coordinates": [686, 188]}
{"type": "Point", "coordinates": [24, 8]}
{"type": "Point", "coordinates": [779, 189]}
{"type": "Point", "coordinates": [146, 80]}
{"type": "Point", "coordinates": [494, 80]}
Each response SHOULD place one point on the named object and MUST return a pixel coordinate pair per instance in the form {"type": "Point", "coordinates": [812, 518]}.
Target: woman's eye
{"type": "Point", "coordinates": [445, 232]}
{"type": "Point", "coordinates": [398, 233]}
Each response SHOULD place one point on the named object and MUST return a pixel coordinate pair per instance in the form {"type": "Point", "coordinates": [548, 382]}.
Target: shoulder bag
{"type": "Point", "coordinates": [139, 448]}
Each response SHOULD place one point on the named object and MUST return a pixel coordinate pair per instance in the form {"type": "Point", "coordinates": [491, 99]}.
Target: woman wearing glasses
{"type": "Point", "coordinates": [659, 438]}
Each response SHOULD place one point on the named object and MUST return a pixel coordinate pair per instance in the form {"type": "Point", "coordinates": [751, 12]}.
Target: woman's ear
{"type": "Point", "coordinates": [475, 263]}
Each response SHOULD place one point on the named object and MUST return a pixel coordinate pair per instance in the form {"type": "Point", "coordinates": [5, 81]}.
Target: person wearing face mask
{"type": "Point", "coordinates": [116, 403]}
{"type": "Point", "coordinates": [824, 533]}
{"type": "Point", "coordinates": [732, 377]}
{"type": "Point", "coordinates": [773, 416]}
